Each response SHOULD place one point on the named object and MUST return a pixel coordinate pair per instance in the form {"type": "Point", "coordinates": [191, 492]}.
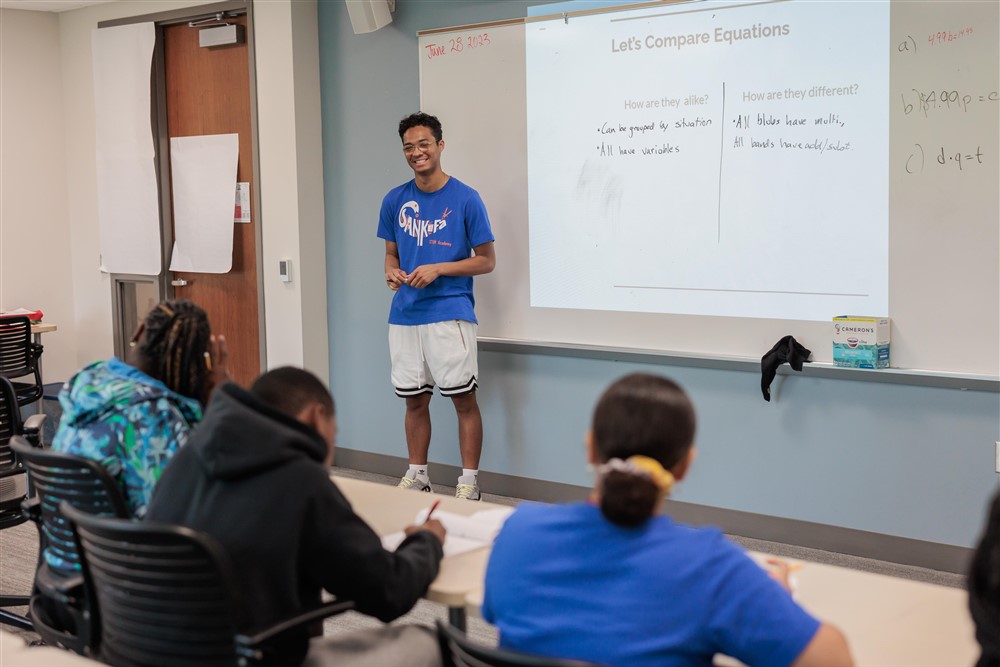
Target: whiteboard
{"type": "Point", "coordinates": [943, 196]}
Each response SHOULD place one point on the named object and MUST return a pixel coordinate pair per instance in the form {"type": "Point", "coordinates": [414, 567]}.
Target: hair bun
{"type": "Point", "coordinates": [628, 499]}
{"type": "Point", "coordinates": [641, 466]}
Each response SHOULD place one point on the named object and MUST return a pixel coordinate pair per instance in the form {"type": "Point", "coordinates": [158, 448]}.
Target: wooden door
{"type": "Point", "coordinates": [208, 92]}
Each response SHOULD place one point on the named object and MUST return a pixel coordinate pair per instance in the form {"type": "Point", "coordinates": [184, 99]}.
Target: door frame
{"type": "Point", "coordinates": [162, 162]}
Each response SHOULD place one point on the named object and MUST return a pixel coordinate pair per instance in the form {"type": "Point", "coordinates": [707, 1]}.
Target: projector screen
{"type": "Point", "coordinates": [703, 178]}
{"type": "Point", "coordinates": [693, 154]}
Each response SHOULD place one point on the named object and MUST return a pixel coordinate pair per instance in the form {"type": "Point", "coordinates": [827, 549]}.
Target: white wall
{"type": "Point", "coordinates": [57, 133]}
{"type": "Point", "coordinates": [291, 183]}
{"type": "Point", "coordinates": [35, 257]}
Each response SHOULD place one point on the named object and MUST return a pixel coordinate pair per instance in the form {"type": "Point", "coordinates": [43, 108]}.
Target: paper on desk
{"type": "Point", "coordinates": [203, 173]}
{"type": "Point", "coordinates": [464, 533]}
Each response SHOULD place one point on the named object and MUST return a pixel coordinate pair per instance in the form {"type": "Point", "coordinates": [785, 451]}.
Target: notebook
{"type": "Point", "coordinates": [465, 533]}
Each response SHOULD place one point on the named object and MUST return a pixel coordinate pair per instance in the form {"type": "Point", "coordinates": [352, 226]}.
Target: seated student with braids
{"type": "Point", "coordinates": [133, 417]}
{"type": "Point", "coordinates": [610, 582]}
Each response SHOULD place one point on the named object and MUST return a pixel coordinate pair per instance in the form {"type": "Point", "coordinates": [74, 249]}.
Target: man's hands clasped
{"type": "Point", "coordinates": [422, 276]}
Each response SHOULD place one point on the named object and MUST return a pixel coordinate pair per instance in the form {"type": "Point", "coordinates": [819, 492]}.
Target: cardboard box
{"type": "Point", "coordinates": [861, 342]}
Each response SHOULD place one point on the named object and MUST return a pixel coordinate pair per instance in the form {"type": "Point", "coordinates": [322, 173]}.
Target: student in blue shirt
{"type": "Point", "coordinates": [437, 237]}
{"type": "Point", "coordinates": [610, 582]}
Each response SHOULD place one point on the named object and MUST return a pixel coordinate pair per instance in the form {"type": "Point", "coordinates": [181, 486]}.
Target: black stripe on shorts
{"type": "Point", "coordinates": [426, 389]}
{"type": "Point", "coordinates": [466, 388]}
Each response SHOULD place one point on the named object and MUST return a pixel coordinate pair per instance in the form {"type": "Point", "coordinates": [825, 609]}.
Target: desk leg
{"type": "Point", "coordinates": [38, 404]}
{"type": "Point", "coordinates": [456, 616]}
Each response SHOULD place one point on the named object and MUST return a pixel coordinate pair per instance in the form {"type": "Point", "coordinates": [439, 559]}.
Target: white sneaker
{"type": "Point", "coordinates": [411, 481]}
{"type": "Point", "coordinates": [467, 488]}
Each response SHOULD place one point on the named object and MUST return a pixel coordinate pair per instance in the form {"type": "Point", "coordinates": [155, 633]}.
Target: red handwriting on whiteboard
{"type": "Point", "coordinates": [458, 44]}
{"type": "Point", "coordinates": [944, 36]}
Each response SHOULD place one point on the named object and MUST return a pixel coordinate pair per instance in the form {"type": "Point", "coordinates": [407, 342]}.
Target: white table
{"type": "Point", "coordinates": [388, 510]}
{"type": "Point", "coordinates": [888, 622]}
{"type": "Point", "coordinates": [15, 652]}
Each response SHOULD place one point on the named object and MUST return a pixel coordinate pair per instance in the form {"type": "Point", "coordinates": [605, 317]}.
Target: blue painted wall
{"type": "Point", "coordinates": [907, 461]}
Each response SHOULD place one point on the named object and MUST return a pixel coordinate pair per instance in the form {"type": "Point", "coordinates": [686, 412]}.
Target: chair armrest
{"type": "Point", "coordinates": [250, 646]}
{"type": "Point", "coordinates": [31, 509]}
{"type": "Point", "coordinates": [32, 429]}
{"type": "Point", "coordinates": [69, 591]}
{"type": "Point", "coordinates": [37, 349]}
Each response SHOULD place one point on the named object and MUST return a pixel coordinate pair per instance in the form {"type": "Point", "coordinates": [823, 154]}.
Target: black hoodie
{"type": "Point", "coordinates": [253, 478]}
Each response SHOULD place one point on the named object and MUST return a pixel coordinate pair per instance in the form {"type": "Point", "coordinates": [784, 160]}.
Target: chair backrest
{"type": "Point", "coordinates": [166, 595]}
{"type": "Point", "coordinates": [458, 651]}
{"type": "Point", "coordinates": [13, 485]}
{"type": "Point", "coordinates": [16, 357]}
{"type": "Point", "coordinates": [10, 422]}
{"type": "Point", "coordinates": [55, 477]}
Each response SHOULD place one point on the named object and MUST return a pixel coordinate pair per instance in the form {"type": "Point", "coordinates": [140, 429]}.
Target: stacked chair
{"type": "Point", "coordinates": [20, 358]}
{"type": "Point", "coordinates": [14, 483]}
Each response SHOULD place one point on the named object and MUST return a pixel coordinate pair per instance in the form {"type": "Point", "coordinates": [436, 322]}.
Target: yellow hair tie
{"type": "Point", "coordinates": [662, 477]}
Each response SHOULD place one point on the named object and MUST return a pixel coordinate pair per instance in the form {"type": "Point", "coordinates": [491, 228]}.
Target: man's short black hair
{"type": "Point", "coordinates": [289, 390]}
{"type": "Point", "coordinates": [421, 119]}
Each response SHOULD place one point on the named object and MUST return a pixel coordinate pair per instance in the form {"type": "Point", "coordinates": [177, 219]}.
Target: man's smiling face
{"type": "Point", "coordinates": [421, 150]}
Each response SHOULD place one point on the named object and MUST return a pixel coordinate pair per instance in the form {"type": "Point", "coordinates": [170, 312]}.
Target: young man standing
{"type": "Point", "coordinates": [437, 236]}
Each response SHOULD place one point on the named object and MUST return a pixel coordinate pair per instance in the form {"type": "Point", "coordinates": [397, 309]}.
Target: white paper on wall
{"type": "Point", "coordinates": [127, 198]}
{"type": "Point", "coordinates": [203, 172]}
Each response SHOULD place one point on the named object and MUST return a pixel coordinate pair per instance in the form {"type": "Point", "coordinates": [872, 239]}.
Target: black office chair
{"type": "Point", "coordinates": [14, 483]}
{"type": "Point", "coordinates": [19, 358]}
{"type": "Point", "coordinates": [59, 608]}
{"type": "Point", "coordinates": [168, 596]}
{"type": "Point", "coordinates": [458, 651]}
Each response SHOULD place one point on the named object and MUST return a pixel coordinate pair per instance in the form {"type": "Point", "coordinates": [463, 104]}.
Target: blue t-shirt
{"type": "Point", "coordinates": [563, 581]}
{"type": "Point", "coordinates": [428, 228]}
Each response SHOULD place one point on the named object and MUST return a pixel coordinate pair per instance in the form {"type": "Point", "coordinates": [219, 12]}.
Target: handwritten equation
{"type": "Point", "coordinates": [945, 36]}
{"type": "Point", "coordinates": [920, 158]}
{"type": "Point", "coordinates": [928, 101]}
{"type": "Point", "coordinates": [937, 38]}
{"type": "Point", "coordinates": [456, 45]}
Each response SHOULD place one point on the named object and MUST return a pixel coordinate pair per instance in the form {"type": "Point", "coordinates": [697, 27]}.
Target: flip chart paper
{"type": "Point", "coordinates": [127, 198]}
{"type": "Point", "coordinates": [203, 172]}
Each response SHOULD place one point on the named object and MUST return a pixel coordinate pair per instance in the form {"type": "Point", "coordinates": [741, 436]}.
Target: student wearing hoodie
{"type": "Point", "coordinates": [133, 417]}
{"type": "Point", "coordinates": [254, 476]}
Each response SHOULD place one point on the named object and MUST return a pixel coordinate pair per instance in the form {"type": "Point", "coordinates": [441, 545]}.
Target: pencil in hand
{"type": "Point", "coordinates": [431, 510]}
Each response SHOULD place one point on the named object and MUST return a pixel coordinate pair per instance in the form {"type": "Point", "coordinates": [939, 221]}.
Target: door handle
{"type": "Point", "coordinates": [180, 282]}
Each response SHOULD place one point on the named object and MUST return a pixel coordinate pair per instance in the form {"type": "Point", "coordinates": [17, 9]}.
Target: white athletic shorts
{"type": "Point", "coordinates": [441, 353]}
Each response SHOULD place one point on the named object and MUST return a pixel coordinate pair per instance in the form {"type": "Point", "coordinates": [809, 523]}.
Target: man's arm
{"type": "Point", "coordinates": [394, 276]}
{"type": "Point", "coordinates": [828, 648]}
{"type": "Point", "coordinates": [347, 557]}
{"type": "Point", "coordinates": [483, 261]}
